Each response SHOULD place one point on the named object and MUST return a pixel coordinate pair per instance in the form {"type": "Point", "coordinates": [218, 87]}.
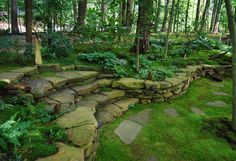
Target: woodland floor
{"type": "Point", "coordinates": [180, 138]}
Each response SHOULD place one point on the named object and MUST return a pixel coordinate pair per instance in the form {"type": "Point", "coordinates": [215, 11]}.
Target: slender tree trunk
{"type": "Point", "coordinates": [129, 14]}
{"type": "Point", "coordinates": [197, 15]}
{"type": "Point", "coordinates": [28, 20]}
{"type": "Point", "coordinates": [204, 16]}
{"type": "Point", "coordinates": [213, 15]}
{"type": "Point", "coordinates": [186, 17]}
{"type": "Point", "coordinates": [163, 29]}
{"type": "Point", "coordinates": [14, 19]}
{"type": "Point", "coordinates": [75, 10]}
{"type": "Point", "coordinates": [123, 12]}
{"type": "Point", "coordinates": [144, 24]}
{"type": "Point", "coordinates": [232, 29]}
{"type": "Point", "coordinates": [217, 18]}
{"type": "Point", "coordinates": [176, 17]}
{"type": "Point", "coordinates": [158, 15]}
{"type": "Point", "coordinates": [82, 10]}
{"type": "Point", "coordinates": [169, 28]}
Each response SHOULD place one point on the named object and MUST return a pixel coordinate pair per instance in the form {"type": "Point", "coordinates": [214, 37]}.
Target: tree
{"type": "Point", "coordinates": [129, 14]}
{"type": "Point", "coordinates": [144, 25]}
{"type": "Point", "coordinates": [169, 28]}
{"type": "Point", "coordinates": [186, 17]}
{"type": "Point", "coordinates": [14, 19]}
{"type": "Point", "coordinates": [82, 10]}
{"type": "Point", "coordinates": [204, 16]}
{"type": "Point", "coordinates": [217, 18]}
{"type": "Point", "coordinates": [215, 4]}
{"type": "Point", "coordinates": [197, 15]}
{"type": "Point", "coordinates": [158, 14]}
{"type": "Point", "coordinates": [28, 20]}
{"type": "Point", "coordinates": [232, 30]}
{"type": "Point", "coordinates": [163, 29]}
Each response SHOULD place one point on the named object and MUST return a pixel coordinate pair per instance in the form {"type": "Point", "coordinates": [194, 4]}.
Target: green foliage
{"type": "Point", "coordinates": [4, 106]}
{"type": "Point", "coordinates": [55, 45]}
{"type": "Point", "coordinates": [11, 131]}
{"type": "Point", "coordinates": [202, 42]}
{"type": "Point", "coordinates": [21, 99]}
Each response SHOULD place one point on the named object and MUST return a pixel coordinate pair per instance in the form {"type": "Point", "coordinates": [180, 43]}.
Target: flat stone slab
{"type": "Point", "coordinates": [82, 136]}
{"type": "Point", "coordinates": [142, 117]}
{"type": "Point", "coordinates": [79, 117]}
{"type": "Point", "coordinates": [128, 131]}
{"type": "Point", "coordinates": [113, 109]}
{"type": "Point", "coordinates": [66, 153]}
{"type": "Point", "coordinates": [218, 85]}
{"type": "Point", "coordinates": [152, 158]}
{"type": "Point", "coordinates": [171, 112]}
{"type": "Point", "coordinates": [74, 76]}
{"type": "Point", "coordinates": [84, 89]}
{"type": "Point", "coordinates": [104, 117]}
{"type": "Point", "coordinates": [10, 77]}
{"type": "Point", "coordinates": [100, 98]}
{"type": "Point", "coordinates": [39, 87]}
{"type": "Point", "coordinates": [197, 111]}
{"type": "Point", "coordinates": [88, 103]}
{"type": "Point", "coordinates": [28, 71]}
{"type": "Point", "coordinates": [102, 82]}
{"type": "Point", "coordinates": [220, 93]}
{"type": "Point", "coordinates": [114, 94]}
{"type": "Point", "coordinates": [128, 83]}
{"type": "Point", "coordinates": [56, 81]}
{"type": "Point", "coordinates": [216, 104]}
{"type": "Point", "coordinates": [124, 104]}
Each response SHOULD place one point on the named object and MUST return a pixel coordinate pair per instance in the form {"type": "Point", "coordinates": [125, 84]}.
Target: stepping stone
{"type": "Point", "coordinates": [128, 131]}
{"type": "Point", "coordinates": [85, 89]}
{"type": "Point", "coordinates": [216, 104]}
{"type": "Point", "coordinates": [75, 76]}
{"type": "Point", "coordinates": [142, 117]}
{"type": "Point", "coordinates": [77, 118]}
{"type": "Point", "coordinates": [39, 87]}
{"type": "Point", "coordinates": [65, 97]}
{"type": "Point", "coordinates": [153, 158]}
{"type": "Point", "coordinates": [66, 153]}
{"type": "Point", "coordinates": [217, 85]}
{"type": "Point", "coordinates": [126, 103]}
{"type": "Point", "coordinates": [28, 71]}
{"type": "Point", "coordinates": [49, 67]}
{"type": "Point", "coordinates": [197, 111]}
{"type": "Point", "coordinates": [56, 81]}
{"type": "Point", "coordinates": [114, 94]}
{"type": "Point", "coordinates": [171, 112]}
{"type": "Point", "coordinates": [219, 93]}
{"type": "Point", "coordinates": [10, 77]}
{"type": "Point", "coordinates": [82, 136]}
{"type": "Point", "coordinates": [128, 83]}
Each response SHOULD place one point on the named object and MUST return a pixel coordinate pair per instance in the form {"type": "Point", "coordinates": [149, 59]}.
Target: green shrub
{"type": "Point", "coordinates": [56, 45]}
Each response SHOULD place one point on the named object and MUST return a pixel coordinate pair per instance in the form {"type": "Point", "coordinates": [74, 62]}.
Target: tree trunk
{"type": "Point", "coordinates": [169, 28]}
{"type": "Point", "coordinates": [204, 16]}
{"type": "Point", "coordinates": [14, 19]}
{"type": "Point", "coordinates": [144, 25]}
{"type": "Point", "coordinates": [123, 13]}
{"type": "Point", "coordinates": [82, 10]}
{"type": "Point", "coordinates": [213, 15]}
{"type": "Point", "coordinates": [232, 29]}
{"type": "Point", "coordinates": [75, 9]}
{"type": "Point", "coordinates": [217, 19]}
{"type": "Point", "coordinates": [28, 20]}
{"type": "Point", "coordinates": [176, 17]}
{"type": "Point", "coordinates": [197, 15]}
{"type": "Point", "coordinates": [163, 29]}
{"type": "Point", "coordinates": [158, 15]}
{"type": "Point", "coordinates": [129, 14]}
{"type": "Point", "coordinates": [186, 17]}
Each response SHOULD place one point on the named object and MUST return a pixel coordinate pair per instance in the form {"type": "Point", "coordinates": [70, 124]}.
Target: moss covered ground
{"type": "Point", "coordinates": [179, 139]}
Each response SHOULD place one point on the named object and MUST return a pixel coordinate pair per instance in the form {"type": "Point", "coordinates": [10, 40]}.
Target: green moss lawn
{"type": "Point", "coordinates": [174, 139]}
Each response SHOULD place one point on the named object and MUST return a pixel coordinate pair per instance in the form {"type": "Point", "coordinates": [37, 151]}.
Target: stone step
{"type": "Point", "coordinates": [66, 153]}
{"type": "Point", "coordinates": [113, 110]}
